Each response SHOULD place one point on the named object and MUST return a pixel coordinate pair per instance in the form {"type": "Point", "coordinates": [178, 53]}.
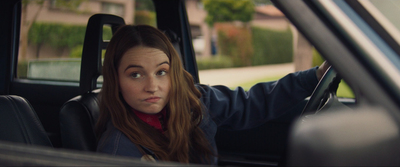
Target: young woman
{"type": "Point", "coordinates": [150, 107]}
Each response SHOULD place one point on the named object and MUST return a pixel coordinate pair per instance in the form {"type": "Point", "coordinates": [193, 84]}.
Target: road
{"type": "Point", "coordinates": [232, 77]}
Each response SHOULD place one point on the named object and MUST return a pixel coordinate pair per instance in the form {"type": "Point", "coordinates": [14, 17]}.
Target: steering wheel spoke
{"type": "Point", "coordinates": [323, 93]}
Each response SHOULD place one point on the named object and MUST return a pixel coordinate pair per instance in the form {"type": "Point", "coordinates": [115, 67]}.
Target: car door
{"type": "Point", "coordinates": [264, 145]}
{"type": "Point", "coordinates": [272, 56]}
{"type": "Point", "coordinates": [359, 38]}
{"type": "Point", "coordinates": [47, 91]}
{"type": "Point", "coordinates": [46, 69]}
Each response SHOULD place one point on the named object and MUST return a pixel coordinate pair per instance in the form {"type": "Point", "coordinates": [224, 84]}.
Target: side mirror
{"type": "Point", "coordinates": [365, 136]}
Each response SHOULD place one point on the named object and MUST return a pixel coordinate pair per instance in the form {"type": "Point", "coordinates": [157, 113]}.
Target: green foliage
{"type": "Point", "coordinates": [226, 46]}
{"type": "Point", "coordinates": [107, 33]}
{"type": "Point", "coordinates": [144, 5]}
{"type": "Point", "coordinates": [256, 47]}
{"type": "Point", "coordinates": [317, 58]}
{"type": "Point", "coordinates": [145, 13]}
{"type": "Point", "coordinates": [235, 43]}
{"type": "Point", "coordinates": [271, 47]}
{"type": "Point", "coordinates": [228, 10]}
{"type": "Point", "coordinates": [344, 90]}
{"type": "Point", "coordinates": [214, 63]}
{"type": "Point", "coordinates": [145, 17]}
{"type": "Point", "coordinates": [56, 35]}
{"type": "Point", "coordinates": [76, 52]}
{"type": "Point", "coordinates": [22, 69]}
{"type": "Point", "coordinates": [62, 36]}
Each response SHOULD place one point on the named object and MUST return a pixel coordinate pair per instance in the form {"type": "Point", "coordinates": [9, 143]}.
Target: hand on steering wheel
{"type": "Point", "coordinates": [324, 92]}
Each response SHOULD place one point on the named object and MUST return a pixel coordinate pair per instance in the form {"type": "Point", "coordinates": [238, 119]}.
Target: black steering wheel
{"type": "Point", "coordinates": [324, 93]}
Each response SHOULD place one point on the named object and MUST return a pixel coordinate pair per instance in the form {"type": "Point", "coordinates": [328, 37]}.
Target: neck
{"type": "Point", "coordinates": [157, 121]}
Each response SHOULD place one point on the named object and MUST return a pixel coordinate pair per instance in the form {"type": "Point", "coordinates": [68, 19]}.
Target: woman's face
{"type": "Point", "coordinates": [144, 79]}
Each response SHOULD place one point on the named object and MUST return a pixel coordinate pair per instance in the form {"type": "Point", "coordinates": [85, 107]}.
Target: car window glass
{"type": "Point", "coordinates": [385, 12]}
{"type": "Point", "coordinates": [53, 31]}
{"type": "Point", "coordinates": [255, 44]}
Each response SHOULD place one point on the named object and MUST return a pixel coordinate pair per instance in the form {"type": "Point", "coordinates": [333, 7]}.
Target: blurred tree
{"type": "Point", "coordinates": [26, 23]}
{"type": "Point", "coordinates": [144, 5]}
{"type": "Point", "coordinates": [234, 40]}
{"type": "Point", "coordinates": [145, 17]}
{"type": "Point", "coordinates": [58, 35]}
{"type": "Point", "coordinates": [228, 11]}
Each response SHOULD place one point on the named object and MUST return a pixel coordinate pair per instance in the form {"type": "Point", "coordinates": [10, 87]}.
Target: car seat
{"type": "Point", "coordinates": [19, 122]}
{"type": "Point", "coordinates": [78, 116]}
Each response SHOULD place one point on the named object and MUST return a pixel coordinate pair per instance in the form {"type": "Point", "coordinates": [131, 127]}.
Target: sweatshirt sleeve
{"type": "Point", "coordinates": [238, 109]}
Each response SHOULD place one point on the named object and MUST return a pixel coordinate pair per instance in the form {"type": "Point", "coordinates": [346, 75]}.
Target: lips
{"type": "Point", "coordinates": [152, 99]}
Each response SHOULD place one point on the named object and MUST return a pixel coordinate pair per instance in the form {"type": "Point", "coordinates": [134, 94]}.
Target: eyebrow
{"type": "Point", "coordinates": [138, 66]}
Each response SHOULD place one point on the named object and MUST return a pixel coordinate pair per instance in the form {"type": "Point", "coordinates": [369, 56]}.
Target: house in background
{"type": "Point", "coordinates": [266, 16]}
{"type": "Point", "coordinates": [201, 32]}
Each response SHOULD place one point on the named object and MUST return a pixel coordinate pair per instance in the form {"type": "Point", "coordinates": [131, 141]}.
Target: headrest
{"type": "Point", "coordinates": [174, 39]}
{"type": "Point", "coordinates": [91, 65]}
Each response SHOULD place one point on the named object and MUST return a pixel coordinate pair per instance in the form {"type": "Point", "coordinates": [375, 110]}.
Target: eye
{"type": "Point", "coordinates": [135, 75]}
{"type": "Point", "coordinates": [162, 72]}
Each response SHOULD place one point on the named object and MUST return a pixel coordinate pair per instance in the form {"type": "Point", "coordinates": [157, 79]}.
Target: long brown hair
{"type": "Point", "coordinates": [184, 140]}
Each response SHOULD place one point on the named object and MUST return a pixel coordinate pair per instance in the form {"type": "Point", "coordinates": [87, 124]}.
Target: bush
{"type": "Point", "coordinates": [62, 36]}
{"type": "Point", "coordinates": [76, 52]}
{"type": "Point", "coordinates": [22, 69]}
{"type": "Point", "coordinates": [145, 17]}
{"type": "Point", "coordinates": [56, 35]}
{"type": "Point", "coordinates": [235, 42]}
{"type": "Point", "coordinates": [272, 47]}
{"type": "Point", "coordinates": [214, 62]}
{"type": "Point", "coordinates": [317, 58]}
{"type": "Point", "coordinates": [258, 46]}
{"type": "Point", "coordinates": [107, 33]}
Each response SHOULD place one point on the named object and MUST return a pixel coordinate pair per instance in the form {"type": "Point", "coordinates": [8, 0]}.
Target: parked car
{"type": "Point", "coordinates": [359, 38]}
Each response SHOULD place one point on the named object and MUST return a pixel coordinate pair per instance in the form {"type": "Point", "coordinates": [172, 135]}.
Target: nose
{"type": "Point", "coordinates": [151, 84]}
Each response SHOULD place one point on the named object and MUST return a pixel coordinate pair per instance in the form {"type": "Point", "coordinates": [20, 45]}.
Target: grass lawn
{"type": "Point", "coordinates": [343, 90]}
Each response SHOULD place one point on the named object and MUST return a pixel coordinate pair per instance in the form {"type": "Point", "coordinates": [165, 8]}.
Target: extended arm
{"type": "Point", "coordinates": [238, 109]}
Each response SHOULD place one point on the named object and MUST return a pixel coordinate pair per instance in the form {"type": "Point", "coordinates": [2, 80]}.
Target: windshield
{"type": "Point", "coordinates": [371, 28]}
{"type": "Point", "coordinates": [386, 13]}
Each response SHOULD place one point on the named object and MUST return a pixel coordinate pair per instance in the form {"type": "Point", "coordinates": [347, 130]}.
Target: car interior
{"type": "Point", "coordinates": [57, 118]}
{"type": "Point", "coordinates": [67, 111]}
